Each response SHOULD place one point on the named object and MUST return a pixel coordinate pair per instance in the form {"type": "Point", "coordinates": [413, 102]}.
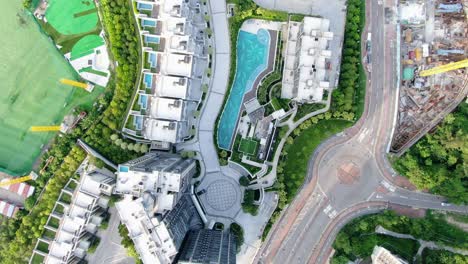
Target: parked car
{"type": "Point", "coordinates": [201, 192]}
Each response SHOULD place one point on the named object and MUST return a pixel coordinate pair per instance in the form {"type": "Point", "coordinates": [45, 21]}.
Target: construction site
{"type": "Point", "coordinates": [433, 62]}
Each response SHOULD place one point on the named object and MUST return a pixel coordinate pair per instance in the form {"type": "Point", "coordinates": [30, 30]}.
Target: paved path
{"type": "Point", "coordinates": [423, 243]}
{"type": "Point", "coordinates": [110, 249]}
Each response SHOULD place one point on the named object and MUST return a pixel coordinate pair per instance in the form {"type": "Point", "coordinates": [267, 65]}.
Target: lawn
{"type": "Point", "coordinates": [31, 92]}
{"type": "Point", "coordinates": [248, 146]}
{"type": "Point", "coordinates": [297, 152]}
{"type": "Point", "coordinates": [304, 109]}
{"type": "Point", "coordinates": [86, 46]}
{"type": "Point", "coordinates": [70, 17]}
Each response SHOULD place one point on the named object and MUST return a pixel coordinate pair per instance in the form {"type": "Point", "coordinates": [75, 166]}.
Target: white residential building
{"type": "Point", "coordinates": [381, 255]}
{"type": "Point", "coordinates": [150, 235]}
{"type": "Point", "coordinates": [162, 175]}
{"type": "Point", "coordinates": [307, 60]}
{"type": "Point", "coordinates": [165, 131]}
{"type": "Point", "coordinates": [171, 51]}
{"type": "Point", "coordinates": [75, 218]}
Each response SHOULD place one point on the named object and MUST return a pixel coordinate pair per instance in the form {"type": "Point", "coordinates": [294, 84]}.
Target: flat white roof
{"type": "Point", "coordinates": [161, 130]}
{"type": "Point", "coordinates": [182, 44]}
{"type": "Point", "coordinates": [173, 25]}
{"type": "Point", "coordinates": [168, 108]}
{"type": "Point", "coordinates": [177, 64]}
{"type": "Point", "coordinates": [171, 86]}
{"type": "Point", "coordinates": [305, 73]}
{"type": "Point", "coordinates": [151, 237]}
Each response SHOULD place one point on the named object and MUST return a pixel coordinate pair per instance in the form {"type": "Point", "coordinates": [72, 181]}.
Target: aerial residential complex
{"type": "Point", "coordinates": [163, 176]}
{"type": "Point", "coordinates": [164, 212]}
{"type": "Point", "coordinates": [175, 59]}
{"type": "Point", "coordinates": [75, 218]}
{"type": "Point", "coordinates": [307, 60]}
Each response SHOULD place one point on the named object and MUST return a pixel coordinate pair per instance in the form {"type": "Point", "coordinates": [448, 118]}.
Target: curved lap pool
{"type": "Point", "coordinates": [252, 59]}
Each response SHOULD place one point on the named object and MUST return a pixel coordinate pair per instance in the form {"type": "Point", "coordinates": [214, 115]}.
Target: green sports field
{"type": "Point", "coordinates": [70, 17]}
{"type": "Point", "coordinates": [86, 46]}
{"type": "Point", "coordinates": [248, 146]}
{"type": "Point", "coordinates": [31, 93]}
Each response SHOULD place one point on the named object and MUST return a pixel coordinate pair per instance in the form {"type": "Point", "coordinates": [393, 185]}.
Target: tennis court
{"type": "Point", "coordinates": [70, 17]}
{"type": "Point", "coordinates": [248, 146]}
{"type": "Point", "coordinates": [31, 92]}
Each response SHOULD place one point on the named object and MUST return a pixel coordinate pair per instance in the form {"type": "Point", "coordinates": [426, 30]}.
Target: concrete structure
{"type": "Point", "coordinates": [307, 60]}
{"type": "Point", "coordinates": [158, 237]}
{"type": "Point", "coordinates": [8, 207]}
{"type": "Point", "coordinates": [72, 225]}
{"type": "Point", "coordinates": [381, 255]}
{"type": "Point", "coordinates": [164, 212]}
{"type": "Point", "coordinates": [160, 178]}
{"type": "Point", "coordinates": [208, 246]}
{"type": "Point", "coordinates": [172, 33]}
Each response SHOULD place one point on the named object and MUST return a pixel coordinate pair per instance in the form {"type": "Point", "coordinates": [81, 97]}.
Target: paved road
{"type": "Point", "coordinates": [332, 197]}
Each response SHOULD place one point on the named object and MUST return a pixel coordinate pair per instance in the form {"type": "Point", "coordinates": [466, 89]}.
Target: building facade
{"type": "Point", "coordinates": [159, 177]}
{"type": "Point", "coordinates": [381, 255]}
{"type": "Point", "coordinates": [307, 60]}
{"type": "Point", "coordinates": [73, 223]}
{"type": "Point", "coordinates": [175, 59]}
{"type": "Point", "coordinates": [159, 211]}
{"type": "Point", "coordinates": [208, 246]}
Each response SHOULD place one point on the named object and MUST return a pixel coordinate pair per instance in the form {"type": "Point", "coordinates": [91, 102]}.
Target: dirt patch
{"type": "Point", "coordinates": [408, 211]}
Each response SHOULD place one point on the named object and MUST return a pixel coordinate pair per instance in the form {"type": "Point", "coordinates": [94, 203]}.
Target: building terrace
{"type": "Point", "coordinates": [307, 60]}
{"type": "Point", "coordinates": [73, 223]}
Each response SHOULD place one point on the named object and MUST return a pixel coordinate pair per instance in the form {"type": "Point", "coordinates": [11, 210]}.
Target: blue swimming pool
{"type": "Point", "coordinates": [123, 168]}
{"type": "Point", "coordinates": [144, 6]}
{"type": "Point", "coordinates": [149, 39]}
{"type": "Point", "coordinates": [148, 79]}
{"type": "Point", "coordinates": [153, 60]}
{"type": "Point", "coordinates": [148, 23]}
{"type": "Point", "coordinates": [143, 101]}
{"type": "Point", "coordinates": [138, 122]}
{"type": "Point", "coordinates": [252, 59]}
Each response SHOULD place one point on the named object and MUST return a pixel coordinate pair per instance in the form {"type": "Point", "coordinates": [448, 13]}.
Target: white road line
{"type": "Point", "coordinates": [370, 196]}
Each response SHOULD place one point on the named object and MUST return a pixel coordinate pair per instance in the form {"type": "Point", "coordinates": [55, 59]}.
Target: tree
{"type": "Point", "coordinates": [137, 147]}
{"type": "Point", "coordinates": [130, 146]}
{"type": "Point", "coordinates": [144, 148]}
{"type": "Point", "coordinates": [223, 154]}
{"type": "Point", "coordinates": [114, 137]}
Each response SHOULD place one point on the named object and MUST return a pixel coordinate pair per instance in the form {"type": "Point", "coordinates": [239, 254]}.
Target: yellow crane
{"type": "Point", "coordinates": [444, 68]}
{"type": "Point", "coordinates": [44, 128]}
{"type": "Point", "coordinates": [76, 84]}
{"type": "Point", "coordinates": [31, 176]}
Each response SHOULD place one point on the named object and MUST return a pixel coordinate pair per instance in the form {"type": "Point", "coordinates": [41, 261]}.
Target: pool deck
{"type": "Point", "coordinates": [270, 67]}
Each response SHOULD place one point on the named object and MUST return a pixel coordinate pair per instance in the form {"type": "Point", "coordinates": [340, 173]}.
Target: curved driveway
{"type": "Point", "coordinates": [349, 174]}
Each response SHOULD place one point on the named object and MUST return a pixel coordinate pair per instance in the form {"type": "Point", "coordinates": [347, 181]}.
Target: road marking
{"type": "Point", "coordinates": [370, 196]}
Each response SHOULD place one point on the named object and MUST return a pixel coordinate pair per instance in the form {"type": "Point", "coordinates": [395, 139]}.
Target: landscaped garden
{"type": "Point", "coordinates": [358, 238]}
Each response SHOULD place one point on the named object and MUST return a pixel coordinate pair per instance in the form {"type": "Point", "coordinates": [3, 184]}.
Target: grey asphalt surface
{"type": "Point", "coordinates": [308, 227]}
{"type": "Point", "coordinates": [110, 249]}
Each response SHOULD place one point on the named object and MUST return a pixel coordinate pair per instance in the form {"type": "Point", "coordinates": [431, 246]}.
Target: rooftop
{"type": "Point", "coordinates": [305, 75]}
{"type": "Point", "coordinates": [170, 86]}
{"type": "Point", "coordinates": [176, 64]}
{"type": "Point", "coordinates": [150, 236]}
{"type": "Point", "coordinates": [170, 109]}
{"type": "Point", "coordinates": [166, 131]}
